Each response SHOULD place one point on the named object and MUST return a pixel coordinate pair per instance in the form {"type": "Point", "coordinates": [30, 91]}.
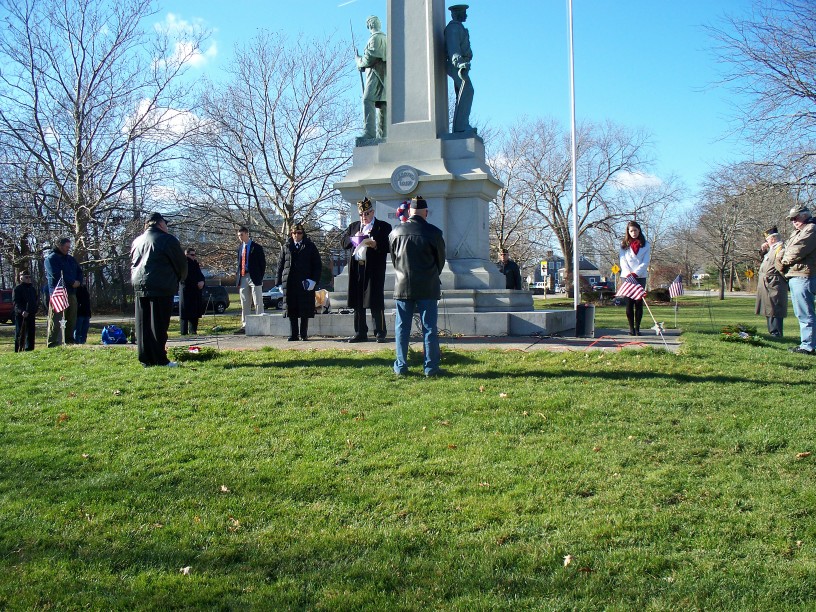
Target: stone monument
{"type": "Point", "coordinates": [420, 156]}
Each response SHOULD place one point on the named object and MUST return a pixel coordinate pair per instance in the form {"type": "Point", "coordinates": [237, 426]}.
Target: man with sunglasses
{"type": "Point", "coordinates": [366, 241]}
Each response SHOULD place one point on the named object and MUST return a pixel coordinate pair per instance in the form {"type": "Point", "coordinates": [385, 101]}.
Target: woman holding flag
{"type": "Point", "coordinates": [635, 253]}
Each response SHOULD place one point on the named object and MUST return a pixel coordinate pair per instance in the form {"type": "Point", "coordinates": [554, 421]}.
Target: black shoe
{"type": "Point", "coordinates": [799, 349]}
{"type": "Point", "coordinates": [382, 339]}
{"type": "Point", "coordinates": [631, 331]}
{"type": "Point", "coordinates": [434, 373]}
{"type": "Point", "coordinates": [304, 338]}
{"type": "Point", "coordinates": [241, 331]}
{"type": "Point", "coordinates": [357, 339]}
{"type": "Point", "coordinates": [637, 332]}
{"type": "Point", "coordinates": [292, 338]}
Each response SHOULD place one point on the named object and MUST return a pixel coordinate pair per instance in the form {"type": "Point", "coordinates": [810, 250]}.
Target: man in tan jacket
{"type": "Point", "coordinates": [798, 264]}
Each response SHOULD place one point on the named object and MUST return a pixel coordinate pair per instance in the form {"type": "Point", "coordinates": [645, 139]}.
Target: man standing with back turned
{"type": "Point", "coordinates": [157, 266]}
{"type": "Point", "coordinates": [418, 255]}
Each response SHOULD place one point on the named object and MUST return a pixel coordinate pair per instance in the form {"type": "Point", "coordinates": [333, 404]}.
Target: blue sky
{"type": "Point", "coordinates": [640, 63]}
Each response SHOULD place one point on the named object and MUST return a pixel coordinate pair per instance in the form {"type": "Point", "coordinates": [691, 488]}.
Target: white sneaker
{"type": "Point", "coordinates": [171, 364]}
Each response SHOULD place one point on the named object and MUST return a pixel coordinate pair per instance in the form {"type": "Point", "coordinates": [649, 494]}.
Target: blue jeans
{"type": "Point", "coordinates": [427, 310]}
{"type": "Point", "coordinates": [802, 290]}
{"type": "Point", "coordinates": [81, 329]}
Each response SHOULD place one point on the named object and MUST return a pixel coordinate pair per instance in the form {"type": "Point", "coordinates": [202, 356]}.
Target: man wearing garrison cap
{"type": "Point", "coordinates": [366, 241]}
{"type": "Point", "coordinates": [772, 288]}
{"type": "Point", "coordinates": [418, 255]}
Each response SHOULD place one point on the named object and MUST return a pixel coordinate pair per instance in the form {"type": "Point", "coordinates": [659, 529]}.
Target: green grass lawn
{"type": "Point", "coordinates": [283, 480]}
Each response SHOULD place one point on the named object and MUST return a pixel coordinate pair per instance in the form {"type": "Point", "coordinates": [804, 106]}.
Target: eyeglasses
{"type": "Point", "coordinates": [366, 213]}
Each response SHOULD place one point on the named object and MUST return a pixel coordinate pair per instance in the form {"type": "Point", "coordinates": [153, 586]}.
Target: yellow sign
{"type": "Point", "coordinates": [749, 274]}
{"type": "Point", "coordinates": [615, 269]}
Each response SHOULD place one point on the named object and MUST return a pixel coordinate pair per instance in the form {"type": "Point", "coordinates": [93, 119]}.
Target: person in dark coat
{"type": "Point", "coordinates": [25, 301]}
{"type": "Point", "coordinates": [157, 266]}
{"type": "Point", "coordinates": [60, 265]}
{"type": "Point", "coordinates": [249, 276]}
{"type": "Point", "coordinates": [772, 288]}
{"type": "Point", "coordinates": [299, 269]}
{"type": "Point", "coordinates": [510, 269]}
{"type": "Point", "coordinates": [191, 303]}
{"type": "Point", "coordinates": [367, 243]}
{"type": "Point", "coordinates": [83, 318]}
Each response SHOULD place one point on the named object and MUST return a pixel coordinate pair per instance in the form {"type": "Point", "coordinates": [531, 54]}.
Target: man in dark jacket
{"type": "Point", "coordinates": [24, 297]}
{"type": "Point", "coordinates": [510, 269]}
{"type": "Point", "coordinates": [158, 265]}
{"type": "Point", "coordinates": [367, 243]}
{"type": "Point", "coordinates": [249, 276]}
{"type": "Point", "coordinates": [60, 265]}
{"type": "Point", "coordinates": [191, 302]}
{"type": "Point", "coordinates": [418, 255]}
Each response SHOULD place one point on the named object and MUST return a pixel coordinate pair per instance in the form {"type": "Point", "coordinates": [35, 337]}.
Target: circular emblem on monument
{"type": "Point", "coordinates": [404, 179]}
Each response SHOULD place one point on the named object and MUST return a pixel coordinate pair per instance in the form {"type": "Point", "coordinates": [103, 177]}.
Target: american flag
{"type": "Point", "coordinates": [676, 288]}
{"type": "Point", "coordinates": [59, 298]}
{"type": "Point", "coordinates": [631, 288]}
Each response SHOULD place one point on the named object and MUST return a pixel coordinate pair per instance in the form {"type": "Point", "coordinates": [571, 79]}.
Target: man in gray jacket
{"type": "Point", "coordinates": [798, 264]}
{"type": "Point", "coordinates": [418, 255]}
{"type": "Point", "coordinates": [158, 265]}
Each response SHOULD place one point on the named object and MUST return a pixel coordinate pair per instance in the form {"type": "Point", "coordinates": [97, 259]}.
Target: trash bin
{"type": "Point", "coordinates": [585, 321]}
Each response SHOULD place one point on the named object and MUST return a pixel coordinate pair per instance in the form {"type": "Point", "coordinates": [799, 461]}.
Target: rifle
{"type": "Point", "coordinates": [356, 55]}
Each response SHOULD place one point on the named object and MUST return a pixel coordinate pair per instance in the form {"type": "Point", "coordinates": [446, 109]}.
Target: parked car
{"type": "Point", "coordinates": [539, 288]}
{"type": "Point", "coordinates": [6, 306]}
{"type": "Point", "coordinates": [604, 288]}
{"type": "Point", "coordinates": [273, 298]}
{"type": "Point", "coordinates": [215, 298]}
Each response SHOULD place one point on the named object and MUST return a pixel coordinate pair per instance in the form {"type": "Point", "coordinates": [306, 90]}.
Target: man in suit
{"type": "Point", "coordinates": [367, 243]}
{"type": "Point", "coordinates": [250, 275]}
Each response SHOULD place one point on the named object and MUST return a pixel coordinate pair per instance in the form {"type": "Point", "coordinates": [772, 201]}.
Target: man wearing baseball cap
{"type": "Point", "coordinates": [798, 264]}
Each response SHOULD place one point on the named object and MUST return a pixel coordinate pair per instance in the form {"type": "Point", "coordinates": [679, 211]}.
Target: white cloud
{"type": "Point", "coordinates": [157, 123]}
{"type": "Point", "coordinates": [185, 32]}
{"type": "Point", "coordinates": [636, 180]}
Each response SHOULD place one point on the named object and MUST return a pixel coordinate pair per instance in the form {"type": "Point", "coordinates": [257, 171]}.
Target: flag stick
{"type": "Point", "coordinates": [659, 329]}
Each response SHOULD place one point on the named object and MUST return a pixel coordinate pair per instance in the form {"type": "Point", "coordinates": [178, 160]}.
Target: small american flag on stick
{"type": "Point", "coordinates": [676, 288]}
{"type": "Point", "coordinates": [59, 298]}
{"type": "Point", "coordinates": [631, 288]}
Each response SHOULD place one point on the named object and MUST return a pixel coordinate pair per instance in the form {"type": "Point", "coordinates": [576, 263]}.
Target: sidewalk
{"type": "Point", "coordinates": [605, 340]}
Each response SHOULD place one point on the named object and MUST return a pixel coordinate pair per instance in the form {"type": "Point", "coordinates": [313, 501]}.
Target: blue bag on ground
{"type": "Point", "coordinates": [113, 335]}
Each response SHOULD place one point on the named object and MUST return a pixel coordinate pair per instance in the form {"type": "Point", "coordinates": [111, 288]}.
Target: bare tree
{"type": "Point", "coordinates": [278, 135]}
{"type": "Point", "coordinates": [606, 152]}
{"type": "Point", "coordinates": [771, 59]}
{"type": "Point", "coordinates": [89, 105]}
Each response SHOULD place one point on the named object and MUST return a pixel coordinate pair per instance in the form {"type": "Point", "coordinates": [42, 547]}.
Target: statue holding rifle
{"type": "Point", "coordinates": [373, 59]}
{"type": "Point", "coordinates": [459, 55]}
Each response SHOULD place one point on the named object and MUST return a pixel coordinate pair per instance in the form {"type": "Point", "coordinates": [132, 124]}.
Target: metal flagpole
{"type": "Point", "coordinates": [576, 285]}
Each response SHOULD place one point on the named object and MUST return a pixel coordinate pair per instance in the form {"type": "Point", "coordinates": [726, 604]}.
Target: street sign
{"type": "Point", "coordinates": [615, 268]}
{"type": "Point", "coordinates": [749, 274]}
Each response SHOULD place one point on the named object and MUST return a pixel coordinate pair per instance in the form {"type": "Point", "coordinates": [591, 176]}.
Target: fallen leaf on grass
{"type": "Point", "coordinates": [63, 416]}
{"type": "Point", "coordinates": [444, 423]}
{"type": "Point", "coordinates": [85, 455]}
{"type": "Point", "coordinates": [567, 560]}
{"type": "Point", "coordinates": [186, 570]}
{"type": "Point", "coordinates": [72, 394]}
{"type": "Point", "coordinates": [798, 543]}
{"type": "Point", "coordinates": [596, 449]}
{"type": "Point", "coordinates": [234, 525]}
{"type": "Point", "coordinates": [481, 388]}
{"type": "Point", "coordinates": [502, 395]}
{"type": "Point", "coordinates": [803, 455]}
{"type": "Point", "coordinates": [224, 489]}
{"type": "Point", "coordinates": [586, 570]}
{"type": "Point", "coordinates": [484, 484]}
{"type": "Point", "coordinates": [344, 411]}
{"type": "Point", "coordinates": [452, 446]}
{"type": "Point", "coordinates": [117, 392]}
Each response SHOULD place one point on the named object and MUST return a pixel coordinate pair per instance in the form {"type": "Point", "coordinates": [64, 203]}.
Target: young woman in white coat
{"type": "Point", "coordinates": [635, 253]}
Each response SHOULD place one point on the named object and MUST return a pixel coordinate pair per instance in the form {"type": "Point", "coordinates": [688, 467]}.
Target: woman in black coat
{"type": "Point", "coordinates": [191, 304]}
{"type": "Point", "coordinates": [299, 268]}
